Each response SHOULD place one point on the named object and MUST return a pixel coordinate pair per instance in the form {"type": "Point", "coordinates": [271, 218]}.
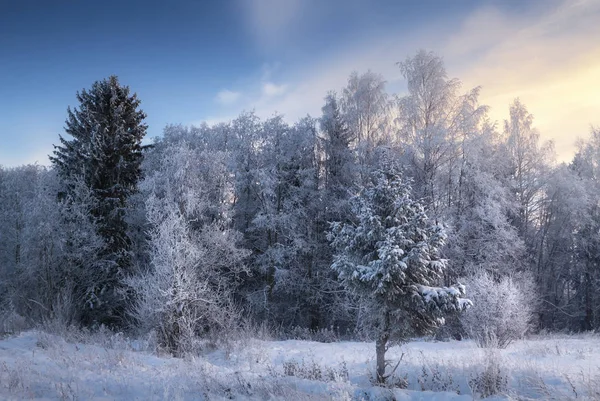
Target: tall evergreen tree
{"type": "Point", "coordinates": [105, 154]}
{"type": "Point", "coordinates": [339, 160]}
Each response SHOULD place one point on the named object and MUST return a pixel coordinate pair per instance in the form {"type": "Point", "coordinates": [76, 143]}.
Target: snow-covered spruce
{"type": "Point", "coordinates": [390, 254]}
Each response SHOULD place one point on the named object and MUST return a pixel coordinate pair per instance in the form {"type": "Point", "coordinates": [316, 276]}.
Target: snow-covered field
{"type": "Point", "coordinates": [37, 365]}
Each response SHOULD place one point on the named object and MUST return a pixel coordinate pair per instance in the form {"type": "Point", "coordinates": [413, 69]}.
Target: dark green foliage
{"type": "Point", "coordinates": [104, 157]}
{"type": "Point", "coordinates": [339, 158]}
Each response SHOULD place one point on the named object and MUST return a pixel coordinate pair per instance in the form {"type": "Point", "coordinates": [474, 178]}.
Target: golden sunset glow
{"type": "Point", "coordinates": [550, 61]}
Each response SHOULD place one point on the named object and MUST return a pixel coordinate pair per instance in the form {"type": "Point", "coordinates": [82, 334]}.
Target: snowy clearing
{"type": "Point", "coordinates": [40, 366]}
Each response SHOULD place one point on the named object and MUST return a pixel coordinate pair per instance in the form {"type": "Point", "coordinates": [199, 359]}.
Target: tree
{"type": "Point", "coordinates": [17, 187]}
{"type": "Point", "coordinates": [21, 215]}
{"type": "Point", "coordinates": [286, 258]}
{"type": "Point", "coordinates": [483, 238]}
{"type": "Point", "coordinates": [564, 211]}
{"type": "Point", "coordinates": [586, 255]}
{"type": "Point", "coordinates": [529, 163]}
{"type": "Point", "coordinates": [339, 160]}
{"type": "Point", "coordinates": [433, 120]}
{"type": "Point", "coordinates": [195, 261]}
{"type": "Point", "coordinates": [105, 154]}
{"type": "Point", "coordinates": [365, 109]}
{"type": "Point", "coordinates": [44, 243]}
{"type": "Point", "coordinates": [365, 105]}
{"type": "Point", "coordinates": [390, 253]}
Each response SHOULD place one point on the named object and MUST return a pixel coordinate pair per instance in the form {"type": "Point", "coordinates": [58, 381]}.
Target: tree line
{"type": "Point", "coordinates": [370, 218]}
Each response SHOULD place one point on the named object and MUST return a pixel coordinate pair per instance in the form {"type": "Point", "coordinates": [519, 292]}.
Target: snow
{"type": "Point", "coordinates": [464, 303]}
{"type": "Point", "coordinates": [437, 294]}
{"type": "Point", "coordinates": [39, 366]}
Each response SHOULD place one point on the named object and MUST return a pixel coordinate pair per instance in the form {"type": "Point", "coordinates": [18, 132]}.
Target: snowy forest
{"type": "Point", "coordinates": [387, 217]}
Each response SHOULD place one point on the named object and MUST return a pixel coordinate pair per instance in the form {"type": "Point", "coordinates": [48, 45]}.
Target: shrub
{"type": "Point", "coordinates": [313, 371]}
{"type": "Point", "coordinates": [492, 379]}
{"type": "Point", "coordinates": [502, 311]}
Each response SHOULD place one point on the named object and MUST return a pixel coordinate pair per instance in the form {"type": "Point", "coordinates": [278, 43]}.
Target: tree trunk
{"type": "Point", "coordinates": [589, 308]}
{"type": "Point", "coordinates": [381, 347]}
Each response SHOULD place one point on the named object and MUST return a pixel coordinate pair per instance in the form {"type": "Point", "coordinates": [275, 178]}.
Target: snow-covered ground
{"type": "Point", "coordinates": [36, 365]}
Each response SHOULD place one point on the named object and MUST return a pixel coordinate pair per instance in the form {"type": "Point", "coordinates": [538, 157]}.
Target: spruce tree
{"type": "Point", "coordinates": [390, 255]}
{"type": "Point", "coordinates": [105, 154]}
{"type": "Point", "coordinates": [339, 160]}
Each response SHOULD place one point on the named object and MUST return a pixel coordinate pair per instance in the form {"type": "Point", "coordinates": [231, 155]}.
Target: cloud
{"type": "Point", "coordinates": [272, 21]}
{"type": "Point", "coordinates": [268, 70]}
{"type": "Point", "coordinates": [227, 97]}
{"type": "Point", "coordinates": [302, 89]}
{"type": "Point", "coordinates": [270, 89]}
{"type": "Point", "coordinates": [550, 60]}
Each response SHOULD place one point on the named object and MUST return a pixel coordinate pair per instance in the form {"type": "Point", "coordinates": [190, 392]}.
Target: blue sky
{"type": "Point", "coordinates": [191, 61]}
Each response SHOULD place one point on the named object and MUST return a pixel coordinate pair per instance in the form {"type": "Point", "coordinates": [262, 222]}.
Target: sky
{"type": "Point", "coordinates": [193, 61]}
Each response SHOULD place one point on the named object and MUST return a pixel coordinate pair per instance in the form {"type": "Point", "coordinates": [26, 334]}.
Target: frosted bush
{"type": "Point", "coordinates": [502, 310]}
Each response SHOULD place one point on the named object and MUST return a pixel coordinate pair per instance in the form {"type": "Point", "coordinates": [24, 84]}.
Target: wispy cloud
{"type": "Point", "coordinates": [269, 89]}
{"type": "Point", "coordinates": [298, 90]}
{"type": "Point", "coordinates": [227, 97]}
{"type": "Point", "coordinates": [273, 21]}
